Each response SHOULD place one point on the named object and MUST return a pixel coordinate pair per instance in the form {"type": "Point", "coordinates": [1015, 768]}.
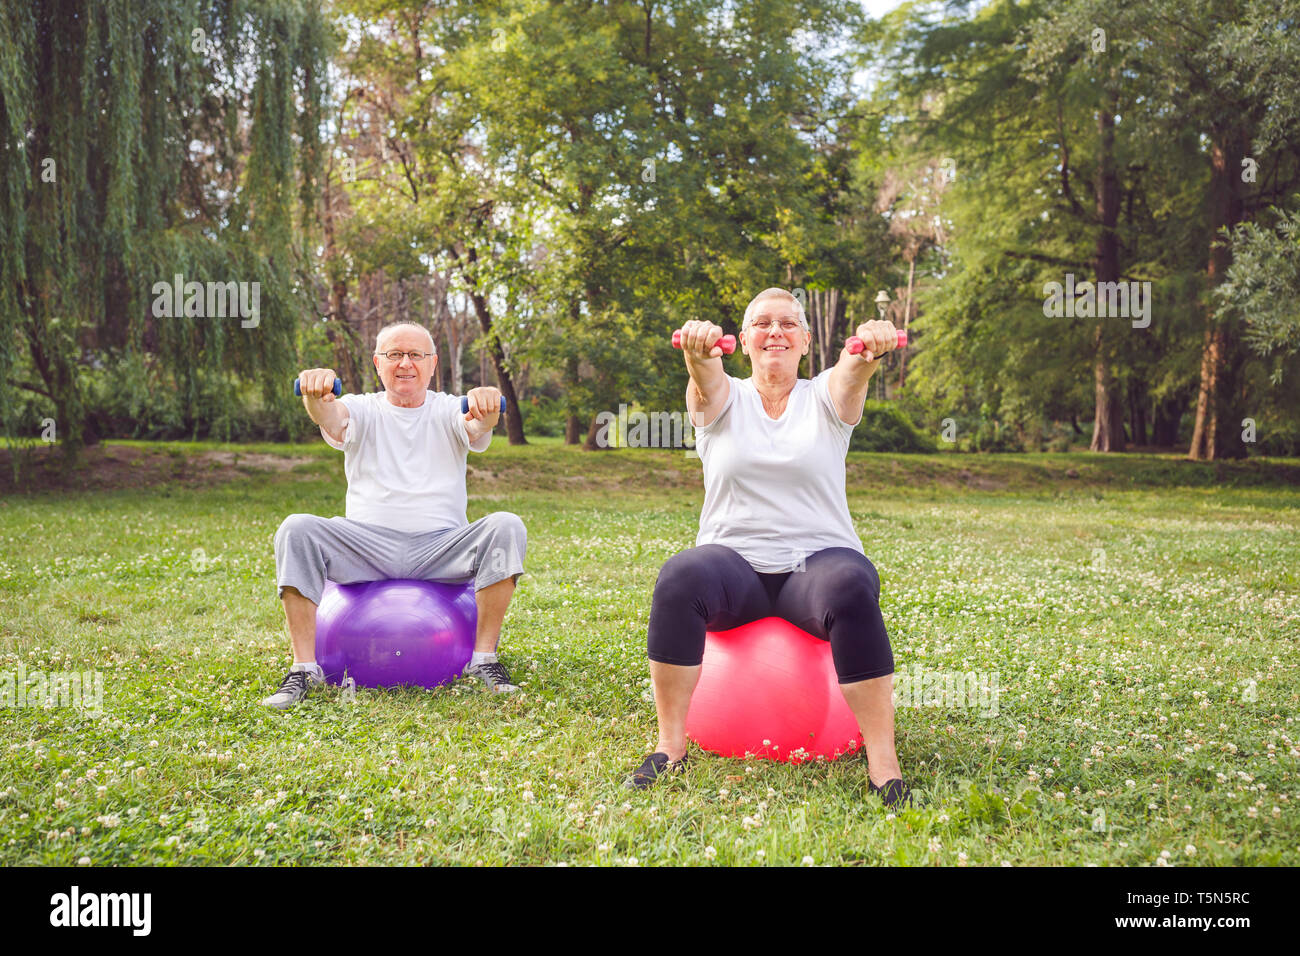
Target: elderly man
{"type": "Point", "coordinates": [404, 456]}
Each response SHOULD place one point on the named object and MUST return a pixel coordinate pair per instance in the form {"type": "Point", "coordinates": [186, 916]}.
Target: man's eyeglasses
{"type": "Point", "coordinates": [396, 355]}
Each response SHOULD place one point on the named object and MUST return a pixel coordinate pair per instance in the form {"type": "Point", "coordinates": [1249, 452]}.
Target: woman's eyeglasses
{"type": "Point", "coordinates": [765, 325]}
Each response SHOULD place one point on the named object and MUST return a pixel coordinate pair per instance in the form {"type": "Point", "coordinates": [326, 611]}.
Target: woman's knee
{"type": "Point", "coordinates": [845, 579]}
{"type": "Point", "coordinates": [683, 575]}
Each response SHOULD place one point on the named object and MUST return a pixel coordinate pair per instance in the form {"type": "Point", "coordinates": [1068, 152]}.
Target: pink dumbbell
{"type": "Point", "coordinates": [854, 344]}
{"type": "Point", "coordinates": [727, 343]}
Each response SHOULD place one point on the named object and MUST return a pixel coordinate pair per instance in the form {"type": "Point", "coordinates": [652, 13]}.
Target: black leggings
{"type": "Point", "coordinates": [836, 598]}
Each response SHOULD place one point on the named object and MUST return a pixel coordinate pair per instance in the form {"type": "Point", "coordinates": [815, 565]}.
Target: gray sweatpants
{"type": "Point", "coordinates": [310, 549]}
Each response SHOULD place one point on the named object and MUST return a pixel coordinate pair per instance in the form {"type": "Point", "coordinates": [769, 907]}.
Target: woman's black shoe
{"type": "Point", "coordinates": [654, 765]}
{"type": "Point", "coordinates": [893, 794]}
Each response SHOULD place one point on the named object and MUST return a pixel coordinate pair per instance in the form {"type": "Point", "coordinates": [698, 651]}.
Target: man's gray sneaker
{"type": "Point", "coordinates": [492, 673]}
{"type": "Point", "coordinates": [293, 688]}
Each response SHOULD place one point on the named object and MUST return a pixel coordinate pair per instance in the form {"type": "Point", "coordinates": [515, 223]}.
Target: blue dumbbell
{"type": "Point", "coordinates": [464, 405]}
{"type": "Point", "coordinates": [297, 387]}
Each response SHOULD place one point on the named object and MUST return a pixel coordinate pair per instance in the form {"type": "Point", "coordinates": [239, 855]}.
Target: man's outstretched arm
{"type": "Point", "coordinates": [317, 387]}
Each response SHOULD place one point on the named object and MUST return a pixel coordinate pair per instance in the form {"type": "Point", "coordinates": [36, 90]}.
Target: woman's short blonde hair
{"type": "Point", "coordinates": [774, 293]}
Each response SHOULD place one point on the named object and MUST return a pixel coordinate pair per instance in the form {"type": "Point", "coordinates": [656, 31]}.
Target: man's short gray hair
{"type": "Point", "coordinates": [774, 293]}
{"type": "Point", "coordinates": [393, 327]}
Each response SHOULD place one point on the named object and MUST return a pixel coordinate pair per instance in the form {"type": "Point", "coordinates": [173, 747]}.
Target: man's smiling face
{"type": "Point", "coordinates": [405, 380]}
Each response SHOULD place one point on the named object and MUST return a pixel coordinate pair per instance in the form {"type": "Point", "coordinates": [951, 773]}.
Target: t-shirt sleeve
{"type": "Point", "coordinates": [354, 427]}
{"type": "Point", "coordinates": [712, 426]}
{"type": "Point", "coordinates": [453, 423]}
{"type": "Point", "coordinates": [822, 389]}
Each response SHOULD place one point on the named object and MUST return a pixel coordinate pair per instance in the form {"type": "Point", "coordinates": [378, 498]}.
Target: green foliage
{"type": "Point", "coordinates": [145, 140]}
{"type": "Point", "coordinates": [884, 427]}
{"type": "Point", "coordinates": [1263, 286]}
{"type": "Point", "coordinates": [607, 171]}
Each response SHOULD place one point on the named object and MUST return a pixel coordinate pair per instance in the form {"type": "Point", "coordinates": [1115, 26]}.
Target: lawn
{"type": "Point", "coordinates": [1140, 613]}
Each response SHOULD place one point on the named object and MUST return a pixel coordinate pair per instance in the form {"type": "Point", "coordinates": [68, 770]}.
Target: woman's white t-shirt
{"type": "Point", "coordinates": [774, 488]}
{"type": "Point", "coordinates": [406, 466]}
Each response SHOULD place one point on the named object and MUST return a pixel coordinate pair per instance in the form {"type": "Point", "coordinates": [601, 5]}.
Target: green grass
{"type": "Point", "coordinates": [1141, 618]}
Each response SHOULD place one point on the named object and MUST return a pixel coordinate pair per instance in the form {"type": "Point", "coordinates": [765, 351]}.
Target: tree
{"type": "Point", "coordinates": [1227, 69]}
{"type": "Point", "coordinates": [141, 141]}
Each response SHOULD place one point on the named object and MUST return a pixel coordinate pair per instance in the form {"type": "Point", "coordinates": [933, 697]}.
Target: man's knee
{"type": "Point", "coordinates": [294, 526]}
{"type": "Point", "coordinates": [507, 527]}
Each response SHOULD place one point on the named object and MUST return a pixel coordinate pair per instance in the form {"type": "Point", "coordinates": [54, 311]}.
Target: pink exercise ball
{"type": "Point", "coordinates": [768, 689]}
{"type": "Point", "coordinates": [386, 633]}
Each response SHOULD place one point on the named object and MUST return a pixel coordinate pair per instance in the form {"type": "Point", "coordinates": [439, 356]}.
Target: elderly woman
{"type": "Point", "coordinates": [773, 448]}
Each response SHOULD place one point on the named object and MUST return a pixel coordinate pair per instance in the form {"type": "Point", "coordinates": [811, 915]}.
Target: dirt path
{"type": "Point", "coordinates": [107, 467]}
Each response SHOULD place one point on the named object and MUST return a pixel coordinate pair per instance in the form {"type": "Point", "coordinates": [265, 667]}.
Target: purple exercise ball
{"type": "Point", "coordinates": [385, 633]}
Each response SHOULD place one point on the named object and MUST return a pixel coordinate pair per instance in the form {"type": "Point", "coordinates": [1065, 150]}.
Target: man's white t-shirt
{"type": "Point", "coordinates": [774, 488]}
{"type": "Point", "coordinates": [406, 466]}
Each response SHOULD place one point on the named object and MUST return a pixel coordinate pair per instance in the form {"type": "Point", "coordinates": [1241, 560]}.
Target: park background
{"type": "Point", "coordinates": [551, 188]}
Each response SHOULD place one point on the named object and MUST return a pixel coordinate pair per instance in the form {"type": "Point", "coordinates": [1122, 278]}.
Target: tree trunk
{"type": "Point", "coordinates": [823, 313]}
{"type": "Point", "coordinates": [1137, 412]}
{"type": "Point", "coordinates": [907, 315]}
{"type": "Point", "coordinates": [454, 348]}
{"type": "Point", "coordinates": [1164, 422]}
{"type": "Point", "coordinates": [572, 373]}
{"type": "Point", "coordinates": [514, 424]}
{"type": "Point", "coordinates": [1218, 404]}
{"type": "Point", "coordinates": [1108, 420]}
{"type": "Point", "coordinates": [590, 443]}
{"type": "Point", "coordinates": [340, 336]}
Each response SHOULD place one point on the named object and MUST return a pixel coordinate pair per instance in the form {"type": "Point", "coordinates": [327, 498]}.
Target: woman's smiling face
{"type": "Point", "coordinates": [774, 339]}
